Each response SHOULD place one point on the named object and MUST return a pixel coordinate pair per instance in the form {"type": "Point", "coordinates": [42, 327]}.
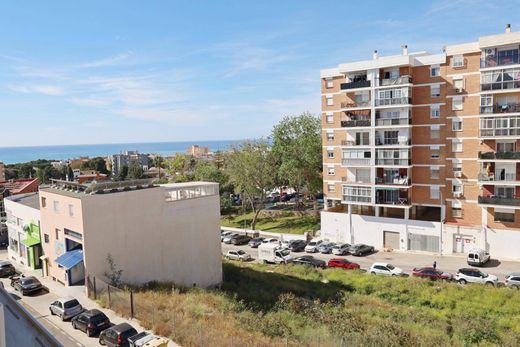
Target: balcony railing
{"type": "Point", "coordinates": [500, 85]}
{"type": "Point", "coordinates": [499, 61]}
{"type": "Point", "coordinates": [499, 155]}
{"type": "Point", "coordinates": [393, 121]}
{"type": "Point", "coordinates": [504, 108]}
{"type": "Point", "coordinates": [393, 142]}
{"type": "Point", "coordinates": [394, 101]}
{"type": "Point", "coordinates": [355, 123]}
{"type": "Point", "coordinates": [401, 181]}
{"type": "Point", "coordinates": [358, 179]}
{"type": "Point", "coordinates": [491, 177]}
{"type": "Point", "coordinates": [396, 81]}
{"type": "Point", "coordinates": [497, 200]}
{"type": "Point", "coordinates": [393, 162]}
{"type": "Point", "coordinates": [352, 198]}
{"type": "Point", "coordinates": [356, 84]}
{"type": "Point", "coordinates": [399, 201]}
{"type": "Point", "coordinates": [355, 161]}
{"type": "Point", "coordinates": [499, 132]}
{"type": "Point", "coordinates": [354, 143]}
{"type": "Point", "coordinates": [355, 104]}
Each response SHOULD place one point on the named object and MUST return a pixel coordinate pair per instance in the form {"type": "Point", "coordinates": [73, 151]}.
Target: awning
{"type": "Point", "coordinates": [31, 241]}
{"type": "Point", "coordinates": [70, 259]}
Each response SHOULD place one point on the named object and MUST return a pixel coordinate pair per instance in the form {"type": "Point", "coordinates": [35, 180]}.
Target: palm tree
{"type": "Point", "coordinates": [158, 162]}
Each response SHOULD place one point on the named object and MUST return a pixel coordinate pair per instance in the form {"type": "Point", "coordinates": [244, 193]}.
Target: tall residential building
{"type": "Point", "coordinates": [421, 151]}
{"type": "Point", "coordinates": [2, 171]}
{"type": "Point", "coordinates": [127, 158]}
{"type": "Point", "coordinates": [166, 233]}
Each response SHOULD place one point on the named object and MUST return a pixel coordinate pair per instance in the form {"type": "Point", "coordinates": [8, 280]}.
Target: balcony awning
{"type": "Point", "coordinates": [31, 241]}
{"type": "Point", "coordinates": [70, 259]}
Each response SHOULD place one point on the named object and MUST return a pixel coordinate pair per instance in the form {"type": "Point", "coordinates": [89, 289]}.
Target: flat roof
{"type": "Point", "coordinates": [30, 199]}
{"type": "Point", "coordinates": [188, 184]}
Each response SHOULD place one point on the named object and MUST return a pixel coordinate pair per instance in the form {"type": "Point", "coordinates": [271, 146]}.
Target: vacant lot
{"type": "Point", "coordinates": [261, 305]}
{"type": "Point", "coordinates": [287, 222]}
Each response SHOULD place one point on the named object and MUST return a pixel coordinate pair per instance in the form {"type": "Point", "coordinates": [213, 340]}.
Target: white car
{"type": "Point", "coordinates": [469, 275]}
{"type": "Point", "coordinates": [238, 255]}
{"type": "Point", "coordinates": [385, 269]}
{"type": "Point", "coordinates": [340, 249]}
{"type": "Point", "coordinates": [271, 240]}
{"type": "Point", "coordinates": [312, 247]}
{"type": "Point", "coordinates": [285, 243]}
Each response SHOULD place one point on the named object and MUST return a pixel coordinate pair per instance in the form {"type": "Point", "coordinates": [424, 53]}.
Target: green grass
{"type": "Point", "coordinates": [289, 305]}
{"type": "Point", "coordinates": [288, 222]}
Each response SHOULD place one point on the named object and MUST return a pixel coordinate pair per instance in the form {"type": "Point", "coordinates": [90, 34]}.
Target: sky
{"type": "Point", "coordinates": [84, 72]}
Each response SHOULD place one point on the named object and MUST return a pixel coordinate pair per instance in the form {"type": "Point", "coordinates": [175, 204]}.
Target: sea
{"type": "Point", "coordinates": [13, 155]}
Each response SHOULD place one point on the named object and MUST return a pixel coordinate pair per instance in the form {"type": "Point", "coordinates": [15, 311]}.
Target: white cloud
{"type": "Point", "coordinates": [38, 89]}
{"type": "Point", "coordinates": [112, 61]}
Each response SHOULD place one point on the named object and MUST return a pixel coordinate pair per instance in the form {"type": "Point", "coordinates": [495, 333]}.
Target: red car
{"type": "Point", "coordinates": [431, 273]}
{"type": "Point", "coordinates": [344, 263]}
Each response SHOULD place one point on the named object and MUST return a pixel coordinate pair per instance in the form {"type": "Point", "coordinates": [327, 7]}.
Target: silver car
{"type": "Point", "coordinates": [513, 280]}
{"type": "Point", "coordinates": [66, 308]}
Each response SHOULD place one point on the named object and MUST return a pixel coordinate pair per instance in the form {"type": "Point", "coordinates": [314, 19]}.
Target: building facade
{"type": "Point", "coordinates": [2, 171]}
{"type": "Point", "coordinates": [420, 150]}
{"type": "Point", "coordinates": [117, 161]}
{"type": "Point", "coordinates": [23, 225]}
{"type": "Point", "coordinates": [165, 233]}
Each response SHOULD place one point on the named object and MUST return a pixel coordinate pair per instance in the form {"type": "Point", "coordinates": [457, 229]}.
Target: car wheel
{"type": "Point", "coordinates": [393, 275]}
{"type": "Point", "coordinates": [89, 333]}
{"type": "Point", "coordinates": [52, 313]}
{"type": "Point", "coordinates": [372, 273]}
{"type": "Point", "coordinates": [490, 284]}
{"type": "Point", "coordinates": [101, 341]}
{"type": "Point", "coordinates": [264, 261]}
{"type": "Point", "coordinates": [74, 325]}
{"type": "Point", "coordinates": [62, 317]}
{"type": "Point", "coordinates": [463, 281]}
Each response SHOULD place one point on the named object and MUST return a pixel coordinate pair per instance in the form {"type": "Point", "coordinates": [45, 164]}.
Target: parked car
{"type": "Point", "coordinates": [6, 269]}
{"type": "Point", "coordinates": [257, 241]}
{"type": "Point", "coordinates": [340, 249]}
{"type": "Point", "coordinates": [146, 339]}
{"type": "Point", "coordinates": [66, 308]}
{"type": "Point", "coordinates": [117, 336]}
{"type": "Point", "coordinates": [310, 260]}
{"type": "Point", "coordinates": [469, 275]}
{"type": "Point", "coordinates": [343, 263]}
{"type": "Point", "coordinates": [431, 273]}
{"type": "Point", "coordinates": [513, 280]}
{"type": "Point", "coordinates": [228, 238]}
{"type": "Point", "coordinates": [298, 246]}
{"type": "Point", "coordinates": [26, 285]}
{"type": "Point", "coordinates": [385, 269]}
{"type": "Point", "coordinates": [326, 247]}
{"type": "Point", "coordinates": [225, 234]}
{"type": "Point", "coordinates": [361, 249]}
{"type": "Point", "coordinates": [238, 255]}
{"type": "Point", "coordinates": [312, 247]}
{"type": "Point", "coordinates": [271, 253]}
{"type": "Point", "coordinates": [91, 322]}
{"type": "Point", "coordinates": [478, 257]}
{"type": "Point", "coordinates": [271, 240]}
{"type": "Point", "coordinates": [286, 243]}
{"type": "Point", "coordinates": [240, 240]}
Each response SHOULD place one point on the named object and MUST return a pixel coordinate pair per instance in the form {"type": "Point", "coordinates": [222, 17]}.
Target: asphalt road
{"type": "Point", "coordinates": [406, 261]}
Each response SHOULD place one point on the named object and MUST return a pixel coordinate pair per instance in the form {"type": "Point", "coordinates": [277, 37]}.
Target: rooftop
{"type": "Point", "coordinates": [18, 186]}
{"type": "Point", "coordinates": [30, 200]}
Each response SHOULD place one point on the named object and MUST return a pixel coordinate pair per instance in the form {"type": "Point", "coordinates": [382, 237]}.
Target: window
{"type": "Point", "coordinates": [330, 154]}
{"type": "Point", "coordinates": [435, 111]}
{"type": "Point", "coordinates": [329, 119]}
{"type": "Point", "coordinates": [330, 101]}
{"type": "Point", "coordinates": [456, 146]}
{"type": "Point", "coordinates": [435, 71]}
{"type": "Point", "coordinates": [434, 192]}
{"type": "Point", "coordinates": [457, 61]}
{"type": "Point", "coordinates": [504, 216]}
{"type": "Point", "coordinates": [56, 205]}
{"type": "Point", "coordinates": [506, 147]}
{"type": "Point", "coordinates": [331, 188]}
{"type": "Point", "coordinates": [505, 192]}
{"type": "Point", "coordinates": [456, 212]}
{"type": "Point", "coordinates": [457, 169]}
{"type": "Point", "coordinates": [456, 125]}
{"type": "Point", "coordinates": [330, 171]}
{"type": "Point", "coordinates": [434, 172]}
{"type": "Point", "coordinates": [456, 104]}
{"type": "Point", "coordinates": [363, 139]}
{"type": "Point", "coordinates": [435, 90]}
{"type": "Point", "coordinates": [457, 188]}
{"type": "Point", "coordinates": [46, 238]}
{"type": "Point", "coordinates": [434, 152]}
{"type": "Point", "coordinates": [330, 136]}
{"type": "Point", "coordinates": [71, 210]}
{"type": "Point", "coordinates": [57, 233]}
{"type": "Point", "coordinates": [435, 132]}
{"type": "Point", "coordinates": [458, 85]}
{"type": "Point", "coordinates": [329, 83]}
{"type": "Point", "coordinates": [44, 202]}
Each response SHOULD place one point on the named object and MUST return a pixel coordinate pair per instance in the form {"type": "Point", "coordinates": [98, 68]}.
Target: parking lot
{"type": "Point", "coordinates": [405, 261]}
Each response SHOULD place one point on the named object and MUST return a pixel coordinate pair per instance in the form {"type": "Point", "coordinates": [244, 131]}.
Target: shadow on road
{"type": "Point", "coordinates": [492, 263]}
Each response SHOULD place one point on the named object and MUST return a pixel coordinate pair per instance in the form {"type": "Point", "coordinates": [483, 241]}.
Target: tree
{"type": "Point", "coordinates": [70, 173]}
{"type": "Point", "coordinates": [158, 162]}
{"type": "Point", "coordinates": [251, 169]}
{"type": "Point", "coordinates": [135, 171]}
{"type": "Point", "coordinates": [177, 164]}
{"type": "Point", "coordinates": [98, 164]}
{"type": "Point", "coordinates": [123, 173]}
{"type": "Point", "coordinates": [297, 144]}
{"type": "Point", "coordinates": [114, 274]}
{"type": "Point", "coordinates": [207, 171]}
{"type": "Point", "coordinates": [46, 173]}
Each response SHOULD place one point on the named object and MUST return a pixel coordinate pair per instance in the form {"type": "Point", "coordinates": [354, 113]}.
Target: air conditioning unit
{"type": "Point", "coordinates": [458, 90]}
{"type": "Point", "coordinates": [457, 194]}
{"type": "Point", "coordinates": [457, 174]}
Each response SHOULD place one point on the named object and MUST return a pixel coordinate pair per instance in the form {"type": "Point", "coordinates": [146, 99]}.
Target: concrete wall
{"type": "Point", "coordinates": [153, 240]}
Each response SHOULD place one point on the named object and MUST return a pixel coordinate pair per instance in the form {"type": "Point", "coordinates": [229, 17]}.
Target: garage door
{"type": "Point", "coordinates": [391, 239]}
{"type": "Point", "coordinates": [424, 243]}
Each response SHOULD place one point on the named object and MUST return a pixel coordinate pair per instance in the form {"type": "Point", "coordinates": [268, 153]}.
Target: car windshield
{"type": "Point", "coordinates": [71, 303]}
{"type": "Point", "coordinates": [483, 274]}
{"type": "Point", "coordinates": [285, 253]}
{"type": "Point", "coordinates": [28, 281]}
{"type": "Point", "coordinates": [391, 267]}
{"type": "Point", "coordinates": [312, 244]}
{"type": "Point", "coordinates": [241, 252]}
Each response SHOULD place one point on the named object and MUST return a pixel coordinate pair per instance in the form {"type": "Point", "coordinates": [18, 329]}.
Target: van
{"type": "Point", "coordinates": [478, 257]}
{"type": "Point", "coordinates": [272, 253]}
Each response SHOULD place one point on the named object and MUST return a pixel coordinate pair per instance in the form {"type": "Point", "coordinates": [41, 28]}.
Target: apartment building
{"type": "Point", "coordinates": [117, 161]}
{"type": "Point", "coordinates": [167, 233]}
{"type": "Point", "coordinates": [420, 150]}
{"type": "Point", "coordinates": [2, 171]}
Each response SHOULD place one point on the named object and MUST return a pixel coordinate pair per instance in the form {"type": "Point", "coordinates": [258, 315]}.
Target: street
{"type": "Point", "coordinates": [406, 261]}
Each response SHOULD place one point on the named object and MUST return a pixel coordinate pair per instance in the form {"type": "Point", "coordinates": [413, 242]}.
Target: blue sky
{"type": "Point", "coordinates": [144, 71]}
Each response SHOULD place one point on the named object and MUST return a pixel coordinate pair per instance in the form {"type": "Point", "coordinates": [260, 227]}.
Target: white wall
{"type": "Point", "coordinates": [504, 244]}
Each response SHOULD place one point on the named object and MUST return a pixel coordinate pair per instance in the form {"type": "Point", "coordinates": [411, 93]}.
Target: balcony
{"type": "Point", "coordinates": [358, 179]}
{"type": "Point", "coordinates": [393, 162]}
{"type": "Point", "coordinates": [491, 177]}
{"type": "Point", "coordinates": [361, 199]}
{"type": "Point", "coordinates": [355, 84]}
{"type": "Point", "coordinates": [393, 121]}
{"type": "Point", "coordinates": [396, 81]}
{"type": "Point", "coordinates": [493, 61]}
{"type": "Point", "coordinates": [498, 200]}
{"type": "Point", "coordinates": [503, 108]}
{"type": "Point", "coordinates": [354, 143]}
{"type": "Point", "coordinates": [355, 123]}
{"type": "Point", "coordinates": [502, 132]}
{"type": "Point", "coordinates": [397, 197]}
{"type": "Point", "coordinates": [398, 181]}
{"type": "Point", "coordinates": [393, 101]}
{"type": "Point", "coordinates": [355, 161]}
{"type": "Point", "coordinates": [392, 142]}
{"type": "Point", "coordinates": [356, 104]}
{"type": "Point", "coordinates": [499, 155]}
